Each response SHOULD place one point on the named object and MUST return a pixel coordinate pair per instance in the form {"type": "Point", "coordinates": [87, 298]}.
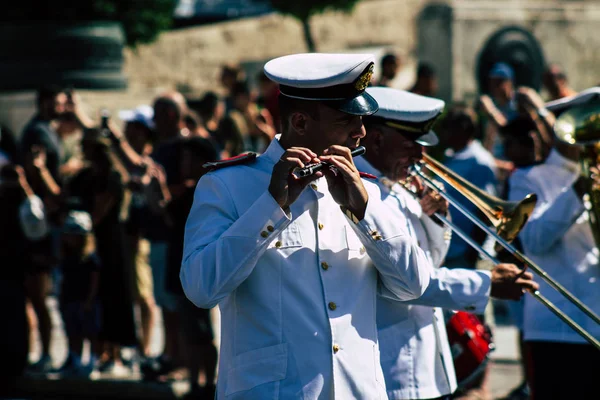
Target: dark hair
{"type": "Point", "coordinates": [191, 118]}
{"type": "Point", "coordinates": [48, 92]}
{"type": "Point", "coordinates": [519, 129]}
{"type": "Point", "coordinates": [289, 105]}
{"type": "Point", "coordinates": [460, 118]}
{"type": "Point", "coordinates": [388, 58]}
{"type": "Point", "coordinates": [167, 103]}
{"type": "Point", "coordinates": [262, 77]}
{"type": "Point", "coordinates": [201, 148]}
{"type": "Point", "coordinates": [240, 87]}
{"type": "Point", "coordinates": [425, 70]}
{"type": "Point", "coordinates": [207, 105]}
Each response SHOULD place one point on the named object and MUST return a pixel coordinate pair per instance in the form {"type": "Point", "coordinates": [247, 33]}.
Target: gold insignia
{"type": "Point", "coordinates": [363, 81]}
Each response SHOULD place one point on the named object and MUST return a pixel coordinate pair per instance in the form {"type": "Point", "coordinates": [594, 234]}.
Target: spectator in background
{"type": "Point", "coordinates": [194, 125]}
{"type": "Point", "coordinates": [40, 132]}
{"type": "Point", "coordinates": [467, 157]}
{"type": "Point", "coordinates": [268, 98]}
{"type": "Point", "coordinates": [227, 138]}
{"type": "Point", "coordinates": [79, 305]}
{"type": "Point", "coordinates": [556, 83]}
{"type": "Point", "coordinates": [40, 142]}
{"type": "Point", "coordinates": [169, 113]}
{"type": "Point", "coordinates": [23, 222]}
{"type": "Point", "coordinates": [254, 124]}
{"type": "Point", "coordinates": [426, 83]}
{"type": "Point", "coordinates": [390, 65]}
{"type": "Point", "coordinates": [230, 75]}
{"type": "Point", "coordinates": [139, 133]}
{"type": "Point", "coordinates": [196, 334]}
{"type": "Point", "coordinates": [211, 110]}
{"type": "Point", "coordinates": [101, 189]}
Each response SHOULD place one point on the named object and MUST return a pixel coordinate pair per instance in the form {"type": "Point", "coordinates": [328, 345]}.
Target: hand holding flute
{"type": "Point", "coordinates": [336, 164]}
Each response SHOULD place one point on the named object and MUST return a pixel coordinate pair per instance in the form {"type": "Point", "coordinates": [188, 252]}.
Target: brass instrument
{"type": "Point", "coordinates": [580, 125]}
{"type": "Point", "coordinates": [508, 218]}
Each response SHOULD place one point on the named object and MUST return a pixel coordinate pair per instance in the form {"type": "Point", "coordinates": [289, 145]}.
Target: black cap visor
{"type": "Point", "coordinates": [363, 104]}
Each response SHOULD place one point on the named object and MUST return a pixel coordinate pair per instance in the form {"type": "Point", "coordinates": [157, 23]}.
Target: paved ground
{"type": "Point", "coordinates": [505, 367]}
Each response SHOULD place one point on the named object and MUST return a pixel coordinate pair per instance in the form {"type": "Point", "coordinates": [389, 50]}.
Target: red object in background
{"type": "Point", "coordinates": [471, 344]}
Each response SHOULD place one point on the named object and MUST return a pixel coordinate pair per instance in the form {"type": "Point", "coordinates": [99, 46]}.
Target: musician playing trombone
{"type": "Point", "coordinates": [415, 353]}
{"type": "Point", "coordinates": [558, 237]}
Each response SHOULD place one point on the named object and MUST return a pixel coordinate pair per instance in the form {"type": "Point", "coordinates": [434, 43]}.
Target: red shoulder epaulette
{"type": "Point", "coordinates": [367, 176]}
{"type": "Point", "coordinates": [229, 162]}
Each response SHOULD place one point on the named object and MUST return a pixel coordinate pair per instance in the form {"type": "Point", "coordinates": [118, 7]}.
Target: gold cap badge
{"type": "Point", "coordinates": [363, 81]}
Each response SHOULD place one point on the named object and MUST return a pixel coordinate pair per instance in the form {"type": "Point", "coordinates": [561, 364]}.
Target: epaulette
{"type": "Point", "coordinates": [367, 176]}
{"type": "Point", "coordinates": [229, 162]}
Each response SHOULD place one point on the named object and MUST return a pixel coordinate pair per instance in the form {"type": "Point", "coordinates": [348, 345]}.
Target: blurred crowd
{"type": "Point", "coordinates": [93, 209]}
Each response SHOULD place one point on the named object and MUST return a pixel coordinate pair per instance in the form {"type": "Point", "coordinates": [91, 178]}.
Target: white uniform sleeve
{"type": "Point", "coordinates": [401, 263]}
{"type": "Point", "coordinates": [221, 248]}
{"type": "Point", "coordinates": [439, 239]}
{"type": "Point", "coordinates": [457, 289]}
{"type": "Point", "coordinates": [550, 220]}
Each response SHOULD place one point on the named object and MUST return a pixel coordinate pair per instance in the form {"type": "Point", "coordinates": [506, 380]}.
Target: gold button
{"type": "Point", "coordinates": [336, 348]}
{"type": "Point", "coordinates": [321, 226]}
{"type": "Point", "coordinates": [332, 306]}
{"type": "Point", "coordinates": [378, 237]}
{"type": "Point", "coordinates": [270, 228]}
{"type": "Point", "coordinates": [264, 234]}
{"type": "Point", "coordinates": [312, 185]}
{"type": "Point", "coordinates": [324, 265]}
{"type": "Point", "coordinates": [363, 250]}
{"type": "Point", "coordinates": [278, 244]}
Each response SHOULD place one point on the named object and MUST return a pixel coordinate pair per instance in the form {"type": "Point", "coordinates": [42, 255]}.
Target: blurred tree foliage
{"type": "Point", "coordinates": [304, 9]}
{"type": "Point", "coordinates": [142, 20]}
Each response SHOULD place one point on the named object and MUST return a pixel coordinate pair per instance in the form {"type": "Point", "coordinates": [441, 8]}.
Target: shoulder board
{"type": "Point", "coordinates": [367, 176]}
{"type": "Point", "coordinates": [229, 162]}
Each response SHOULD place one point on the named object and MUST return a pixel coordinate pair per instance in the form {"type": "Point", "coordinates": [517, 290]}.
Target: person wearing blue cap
{"type": "Point", "coordinates": [295, 264]}
{"type": "Point", "coordinates": [415, 353]}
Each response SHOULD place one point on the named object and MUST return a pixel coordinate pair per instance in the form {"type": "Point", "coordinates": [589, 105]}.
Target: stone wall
{"type": "Point", "coordinates": [450, 37]}
{"type": "Point", "coordinates": [189, 59]}
{"type": "Point", "coordinates": [566, 30]}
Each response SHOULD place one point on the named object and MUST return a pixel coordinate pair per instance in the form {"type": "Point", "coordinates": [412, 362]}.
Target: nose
{"type": "Point", "coordinates": [359, 131]}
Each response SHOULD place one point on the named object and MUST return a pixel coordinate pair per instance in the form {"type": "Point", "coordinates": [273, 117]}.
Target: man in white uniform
{"type": "Point", "coordinates": [296, 265]}
{"type": "Point", "coordinates": [415, 354]}
{"type": "Point", "coordinates": [558, 237]}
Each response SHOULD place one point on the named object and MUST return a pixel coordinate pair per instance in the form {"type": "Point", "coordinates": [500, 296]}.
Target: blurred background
{"type": "Point", "coordinates": [193, 68]}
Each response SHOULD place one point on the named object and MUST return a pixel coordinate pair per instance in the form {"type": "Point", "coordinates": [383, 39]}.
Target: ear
{"type": "Point", "coordinates": [299, 122]}
{"type": "Point", "coordinates": [375, 140]}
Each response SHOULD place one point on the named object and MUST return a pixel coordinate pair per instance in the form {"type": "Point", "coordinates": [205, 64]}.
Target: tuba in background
{"type": "Point", "coordinates": [580, 125]}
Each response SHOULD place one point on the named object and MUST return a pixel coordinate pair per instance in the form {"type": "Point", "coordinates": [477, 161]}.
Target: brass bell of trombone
{"type": "Point", "coordinates": [580, 125]}
{"type": "Point", "coordinates": [507, 217]}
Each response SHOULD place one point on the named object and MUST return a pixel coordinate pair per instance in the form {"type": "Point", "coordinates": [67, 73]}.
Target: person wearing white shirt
{"type": "Point", "coordinates": [415, 354]}
{"type": "Point", "coordinates": [558, 238]}
{"type": "Point", "coordinates": [295, 264]}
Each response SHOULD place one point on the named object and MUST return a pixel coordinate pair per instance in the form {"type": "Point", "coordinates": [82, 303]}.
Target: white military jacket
{"type": "Point", "coordinates": [415, 353]}
{"type": "Point", "coordinates": [297, 293]}
{"type": "Point", "coordinates": [558, 237]}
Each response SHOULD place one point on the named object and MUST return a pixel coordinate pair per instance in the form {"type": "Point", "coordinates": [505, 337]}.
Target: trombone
{"type": "Point", "coordinates": [508, 218]}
